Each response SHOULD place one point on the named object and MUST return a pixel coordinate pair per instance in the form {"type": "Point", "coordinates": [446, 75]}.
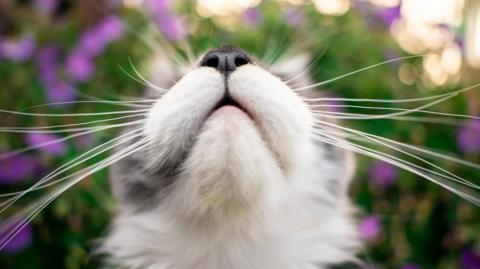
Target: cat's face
{"type": "Point", "coordinates": [227, 136]}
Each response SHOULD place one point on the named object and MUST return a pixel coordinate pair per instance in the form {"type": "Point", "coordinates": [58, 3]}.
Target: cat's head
{"type": "Point", "coordinates": [228, 137]}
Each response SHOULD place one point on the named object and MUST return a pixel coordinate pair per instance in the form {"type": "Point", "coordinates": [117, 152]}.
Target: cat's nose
{"type": "Point", "coordinates": [225, 60]}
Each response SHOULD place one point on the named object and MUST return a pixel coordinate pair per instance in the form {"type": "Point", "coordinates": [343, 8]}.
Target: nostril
{"type": "Point", "coordinates": [211, 61]}
{"type": "Point", "coordinates": [225, 60]}
{"type": "Point", "coordinates": [241, 60]}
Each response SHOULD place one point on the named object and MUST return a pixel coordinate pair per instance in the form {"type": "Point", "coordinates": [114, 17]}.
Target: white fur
{"type": "Point", "coordinates": [252, 192]}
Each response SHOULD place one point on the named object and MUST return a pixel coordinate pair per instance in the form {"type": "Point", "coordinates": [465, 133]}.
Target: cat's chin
{"type": "Point", "coordinates": [228, 168]}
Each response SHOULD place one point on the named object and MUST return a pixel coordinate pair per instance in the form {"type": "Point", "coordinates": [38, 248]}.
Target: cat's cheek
{"type": "Point", "coordinates": [176, 118]}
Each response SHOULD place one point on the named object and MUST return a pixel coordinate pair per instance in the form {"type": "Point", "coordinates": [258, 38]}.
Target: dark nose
{"type": "Point", "coordinates": [225, 60]}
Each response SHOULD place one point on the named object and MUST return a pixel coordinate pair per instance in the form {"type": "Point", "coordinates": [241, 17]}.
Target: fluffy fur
{"type": "Point", "coordinates": [233, 187]}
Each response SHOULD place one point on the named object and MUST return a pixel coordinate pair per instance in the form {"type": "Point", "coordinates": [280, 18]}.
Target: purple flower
{"type": "Point", "coordinates": [48, 55]}
{"type": "Point", "coordinates": [470, 259]}
{"type": "Point", "coordinates": [370, 227]}
{"type": "Point", "coordinates": [60, 91]}
{"type": "Point", "coordinates": [45, 6]}
{"type": "Point", "coordinates": [169, 24]}
{"type": "Point", "coordinates": [392, 55]}
{"type": "Point", "coordinates": [371, 266]}
{"type": "Point", "coordinates": [171, 27]}
{"type": "Point", "coordinates": [84, 141]}
{"type": "Point", "coordinates": [19, 50]}
{"type": "Point", "coordinates": [56, 89]}
{"type": "Point", "coordinates": [46, 62]}
{"type": "Point", "coordinates": [94, 41]}
{"type": "Point", "coordinates": [158, 5]}
{"type": "Point", "coordinates": [79, 66]}
{"type": "Point", "coordinates": [2, 40]}
{"type": "Point", "coordinates": [252, 16]}
{"type": "Point", "coordinates": [20, 241]}
{"type": "Point", "coordinates": [110, 29]}
{"type": "Point", "coordinates": [383, 174]}
{"type": "Point", "coordinates": [48, 143]}
{"type": "Point", "coordinates": [389, 15]}
{"type": "Point", "coordinates": [365, 9]}
{"type": "Point", "coordinates": [114, 3]}
{"type": "Point", "coordinates": [410, 266]}
{"type": "Point", "coordinates": [18, 167]}
{"type": "Point", "coordinates": [294, 17]}
{"type": "Point", "coordinates": [468, 137]}
{"type": "Point", "coordinates": [459, 41]}
{"type": "Point", "coordinates": [90, 44]}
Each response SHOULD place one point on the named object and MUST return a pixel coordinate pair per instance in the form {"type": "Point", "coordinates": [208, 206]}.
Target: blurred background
{"type": "Point", "coordinates": [62, 53]}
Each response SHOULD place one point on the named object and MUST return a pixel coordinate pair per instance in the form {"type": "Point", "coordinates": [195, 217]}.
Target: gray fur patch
{"type": "Point", "coordinates": [136, 186]}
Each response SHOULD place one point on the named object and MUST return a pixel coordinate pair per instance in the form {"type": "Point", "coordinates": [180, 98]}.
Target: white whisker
{"type": "Point", "coordinates": [42, 183]}
{"type": "Point", "coordinates": [46, 129]}
{"type": "Point", "coordinates": [384, 142]}
{"type": "Point", "coordinates": [42, 203]}
{"type": "Point", "coordinates": [189, 51]}
{"type": "Point", "coordinates": [97, 129]}
{"type": "Point", "coordinates": [357, 71]}
{"type": "Point", "coordinates": [447, 175]}
{"type": "Point", "coordinates": [417, 119]}
{"type": "Point", "coordinates": [112, 102]}
{"type": "Point", "coordinates": [451, 186]}
{"type": "Point", "coordinates": [403, 112]}
{"type": "Point", "coordinates": [72, 114]}
{"type": "Point", "coordinates": [410, 100]}
{"type": "Point", "coordinates": [308, 69]}
{"type": "Point", "coordinates": [366, 116]}
{"type": "Point", "coordinates": [146, 82]}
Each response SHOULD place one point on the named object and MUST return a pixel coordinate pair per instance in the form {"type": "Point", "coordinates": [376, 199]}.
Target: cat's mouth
{"type": "Point", "coordinates": [227, 103]}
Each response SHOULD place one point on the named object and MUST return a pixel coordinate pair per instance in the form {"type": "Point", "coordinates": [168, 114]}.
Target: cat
{"type": "Point", "coordinates": [228, 174]}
